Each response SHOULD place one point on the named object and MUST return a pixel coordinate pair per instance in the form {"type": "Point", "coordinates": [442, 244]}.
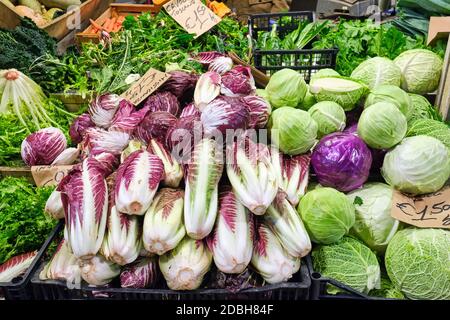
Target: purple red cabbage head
{"type": "Point", "coordinates": [79, 126]}
{"type": "Point", "coordinates": [155, 125]}
{"type": "Point", "coordinates": [181, 84]}
{"type": "Point", "coordinates": [238, 82]}
{"type": "Point", "coordinates": [163, 101]}
{"type": "Point", "coordinates": [341, 161]}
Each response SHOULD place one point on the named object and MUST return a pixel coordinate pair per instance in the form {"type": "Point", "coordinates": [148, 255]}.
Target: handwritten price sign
{"type": "Point", "coordinates": [427, 211]}
{"type": "Point", "coordinates": [145, 86]}
{"type": "Point", "coordinates": [192, 15]}
{"type": "Point", "coordinates": [46, 176]}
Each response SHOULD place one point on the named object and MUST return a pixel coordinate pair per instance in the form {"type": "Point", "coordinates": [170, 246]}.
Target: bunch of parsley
{"type": "Point", "coordinates": [23, 224]}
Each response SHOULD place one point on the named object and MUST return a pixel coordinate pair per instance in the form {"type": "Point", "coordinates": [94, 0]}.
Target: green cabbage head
{"type": "Point", "coordinates": [341, 90]}
{"type": "Point", "coordinates": [350, 262]}
{"type": "Point", "coordinates": [422, 108]}
{"type": "Point", "coordinates": [418, 165]}
{"type": "Point", "coordinates": [373, 224]}
{"type": "Point", "coordinates": [330, 117]}
{"type": "Point", "coordinates": [418, 263]}
{"type": "Point", "coordinates": [293, 131]}
{"type": "Point", "coordinates": [327, 214]}
{"type": "Point", "coordinates": [377, 71]}
{"type": "Point", "coordinates": [392, 94]}
{"type": "Point", "coordinates": [324, 73]}
{"type": "Point", "coordinates": [286, 88]}
{"type": "Point", "coordinates": [382, 126]}
{"type": "Point", "coordinates": [421, 70]}
{"type": "Point", "coordinates": [308, 101]}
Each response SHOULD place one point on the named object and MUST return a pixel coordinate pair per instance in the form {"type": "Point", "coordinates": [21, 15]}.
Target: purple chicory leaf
{"type": "Point", "coordinates": [180, 138]}
{"type": "Point", "coordinates": [133, 146]}
{"type": "Point", "coordinates": [143, 273]}
{"type": "Point", "coordinates": [108, 162]}
{"type": "Point", "coordinates": [341, 161]}
{"type": "Point", "coordinates": [238, 82]}
{"type": "Point", "coordinates": [252, 174]}
{"type": "Point", "coordinates": [16, 266]}
{"type": "Point", "coordinates": [84, 196]}
{"type": "Point", "coordinates": [163, 101]}
{"type": "Point", "coordinates": [259, 110]}
{"type": "Point", "coordinates": [207, 89]}
{"type": "Point", "coordinates": [181, 84]}
{"type": "Point", "coordinates": [224, 113]}
{"type": "Point", "coordinates": [201, 192]}
{"type": "Point", "coordinates": [97, 141]}
{"type": "Point", "coordinates": [231, 241]}
{"type": "Point", "coordinates": [54, 207]}
{"type": "Point", "coordinates": [269, 258]}
{"type": "Point", "coordinates": [207, 57]}
{"type": "Point", "coordinates": [127, 118]}
{"type": "Point", "coordinates": [190, 110]}
{"type": "Point", "coordinates": [79, 126]}
{"type": "Point", "coordinates": [103, 108]}
{"type": "Point", "coordinates": [43, 147]}
{"type": "Point", "coordinates": [221, 65]}
{"type": "Point", "coordinates": [155, 125]}
{"type": "Point", "coordinates": [138, 179]}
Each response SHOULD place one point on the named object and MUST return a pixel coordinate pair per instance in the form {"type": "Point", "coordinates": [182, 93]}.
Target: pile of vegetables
{"type": "Point", "coordinates": [43, 12]}
{"type": "Point", "coordinates": [23, 225]}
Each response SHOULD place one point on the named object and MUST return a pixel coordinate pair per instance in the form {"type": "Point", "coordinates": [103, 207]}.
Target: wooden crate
{"type": "Point", "coordinates": [60, 26]}
{"type": "Point", "coordinates": [115, 10]}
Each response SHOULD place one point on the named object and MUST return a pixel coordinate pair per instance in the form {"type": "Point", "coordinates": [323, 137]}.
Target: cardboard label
{"type": "Point", "coordinates": [47, 176]}
{"type": "Point", "coordinates": [145, 86]}
{"type": "Point", "coordinates": [192, 15]}
{"type": "Point", "coordinates": [426, 211]}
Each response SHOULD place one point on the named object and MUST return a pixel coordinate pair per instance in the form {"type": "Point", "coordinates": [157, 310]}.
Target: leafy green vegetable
{"type": "Point", "coordinates": [387, 289]}
{"type": "Point", "coordinates": [432, 128]}
{"type": "Point", "coordinates": [23, 224]}
{"type": "Point", "coordinates": [12, 132]}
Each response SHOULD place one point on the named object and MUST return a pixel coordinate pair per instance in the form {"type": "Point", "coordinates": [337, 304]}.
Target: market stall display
{"type": "Point", "coordinates": [190, 180]}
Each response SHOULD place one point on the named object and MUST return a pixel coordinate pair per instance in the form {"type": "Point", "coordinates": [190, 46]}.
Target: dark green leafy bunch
{"type": "Point", "coordinates": [12, 132]}
{"type": "Point", "coordinates": [358, 40]}
{"type": "Point", "coordinates": [23, 224]}
{"type": "Point", "coordinates": [20, 47]}
{"type": "Point", "coordinates": [148, 42]}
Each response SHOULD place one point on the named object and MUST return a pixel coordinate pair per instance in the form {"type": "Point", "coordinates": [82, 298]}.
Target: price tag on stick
{"type": "Point", "coordinates": [192, 15]}
{"type": "Point", "coordinates": [145, 86]}
{"type": "Point", "coordinates": [47, 176]}
{"type": "Point", "coordinates": [426, 211]}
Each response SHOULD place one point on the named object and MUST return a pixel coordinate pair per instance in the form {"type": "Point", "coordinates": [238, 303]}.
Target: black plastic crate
{"type": "Point", "coordinates": [298, 288]}
{"type": "Point", "coordinates": [20, 287]}
{"type": "Point", "coordinates": [307, 61]}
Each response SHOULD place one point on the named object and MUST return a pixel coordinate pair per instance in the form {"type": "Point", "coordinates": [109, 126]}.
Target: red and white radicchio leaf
{"type": "Point", "coordinates": [103, 108]}
{"type": "Point", "coordinates": [259, 110]}
{"type": "Point", "coordinates": [238, 82]}
{"type": "Point", "coordinates": [252, 175]}
{"type": "Point", "coordinates": [231, 241]}
{"type": "Point", "coordinates": [269, 258]}
{"type": "Point", "coordinates": [84, 195]}
{"type": "Point", "coordinates": [190, 110]}
{"type": "Point", "coordinates": [138, 179]}
{"type": "Point", "coordinates": [224, 113]}
{"type": "Point", "coordinates": [155, 125]}
{"type": "Point", "coordinates": [173, 172]}
{"type": "Point", "coordinates": [181, 84]}
{"type": "Point", "coordinates": [181, 137]}
{"type": "Point", "coordinates": [207, 57]}
{"type": "Point", "coordinates": [67, 157]}
{"type": "Point", "coordinates": [97, 141]}
{"type": "Point", "coordinates": [79, 126]}
{"type": "Point", "coordinates": [54, 207]}
{"type": "Point", "coordinates": [207, 89]}
{"type": "Point", "coordinates": [163, 101]}
{"type": "Point", "coordinates": [287, 225]}
{"type": "Point", "coordinates": [163, 222]}
{"type": "Point", "coordinates": [16, 266]}
{"type": "Point", "coordinates": [127, 118]}
{"type": "Point", "coordinates": [221, 65]}
{"type": "Point", "coordinates": [292, 174]}
{"type": "Point", "coordinates": [108, 162]}
{"type": "Point", "coordinates": [43, 147]}
{"type": "Point", "coordinates": [201, 193]}
{"type": "Point", "coordinates": [141, 274]}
